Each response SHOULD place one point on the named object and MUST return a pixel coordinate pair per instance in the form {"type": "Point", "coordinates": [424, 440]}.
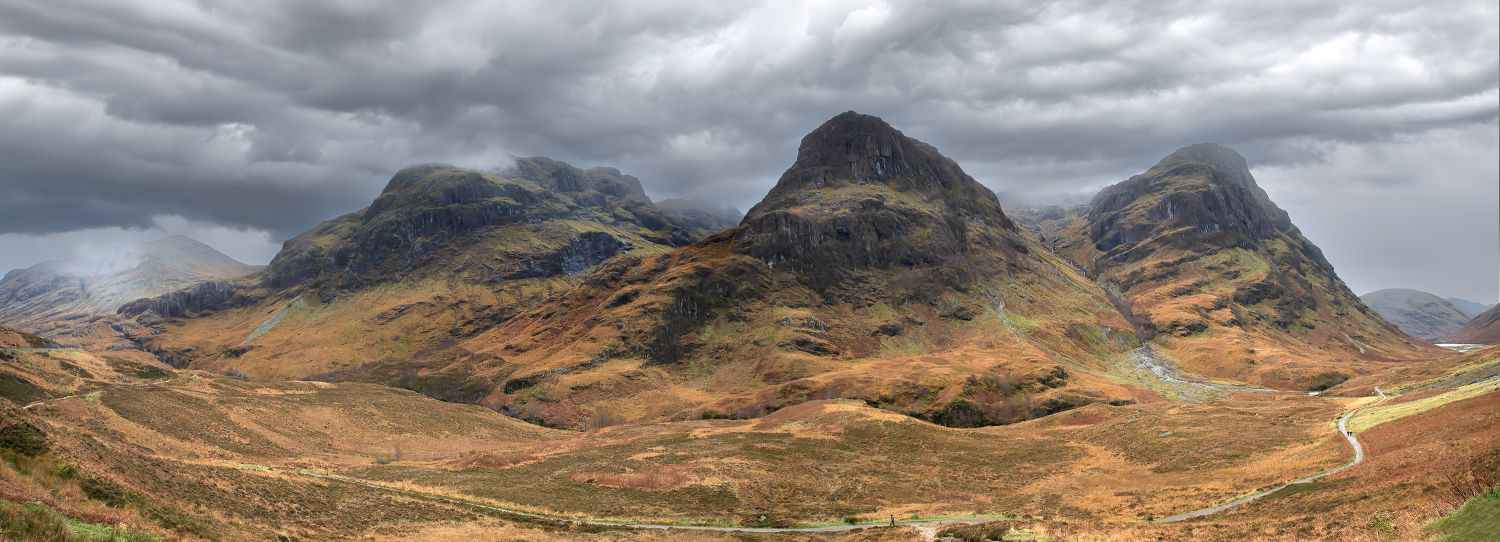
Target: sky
{"type": "Point", "coordinates": [1376, 124]}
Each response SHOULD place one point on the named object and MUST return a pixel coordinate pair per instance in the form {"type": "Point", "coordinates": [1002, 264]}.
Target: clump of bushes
{"type": "Point", "coordinates": [1325, 380]}
{"type": "Point", "coordinates": [23, 438]}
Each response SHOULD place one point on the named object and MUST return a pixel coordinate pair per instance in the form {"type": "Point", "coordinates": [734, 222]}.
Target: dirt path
{"type": "Point", "coordinates": [1359, 455]}
{"type": "Point", "coordinates": [925, 527]}
{"type": "Point", "coordinates": [34, 404]}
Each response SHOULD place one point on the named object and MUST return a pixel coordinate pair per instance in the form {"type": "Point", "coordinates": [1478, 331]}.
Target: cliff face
{"type": "Point", "coordinates": [1205, 259]}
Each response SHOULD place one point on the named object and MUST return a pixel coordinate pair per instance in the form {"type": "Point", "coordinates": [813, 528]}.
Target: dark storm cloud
{"type": "Point", "coordinates": [271, 116]}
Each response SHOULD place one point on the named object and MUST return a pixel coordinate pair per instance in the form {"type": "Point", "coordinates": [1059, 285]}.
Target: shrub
{"type": "Point", "coordinates": [1325, 380]}
{"type": "Point", "coordinates": [23, 438]}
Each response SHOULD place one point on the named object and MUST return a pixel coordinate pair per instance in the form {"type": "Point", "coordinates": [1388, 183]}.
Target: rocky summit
{"type": "Point", "coordinates": [862, 195]}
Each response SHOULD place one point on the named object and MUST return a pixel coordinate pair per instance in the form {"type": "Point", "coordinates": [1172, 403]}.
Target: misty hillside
{"type": "Point", "coordinates": [60, 290]}
{"type": "Point", "coordinates": [1416, 312]}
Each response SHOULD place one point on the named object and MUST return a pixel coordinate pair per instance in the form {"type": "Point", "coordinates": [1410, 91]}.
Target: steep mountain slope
{"type": "Point", "coordinates": [441, 254]}
{"type": "Point", "coordinates": [1205, 260]}
{"type": "Point", "coordinates": [1483, 329]}
{"type": "Point", "coordinates": [1471, 308]}
{"type": "Point", "coordinates": [875, 269]}
{"type": "Point", "coordinates": [52, 295]}
{"type": "Point", "coordinates": [1416, 312]}
{"type": "Point", "coordinates": [703, 215]}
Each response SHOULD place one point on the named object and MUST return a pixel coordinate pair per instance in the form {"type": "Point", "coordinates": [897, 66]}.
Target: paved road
{"type": "Point", "coordinates": [926, 527]}
{"type": "Point", "coordinates": [1359, 455]}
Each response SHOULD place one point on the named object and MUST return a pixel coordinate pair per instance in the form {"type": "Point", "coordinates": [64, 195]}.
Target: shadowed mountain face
{"type": "Point", "coordinates": [1419, 313]}
{"type": "Point", "coordinates": [1207, 261]}
{"type": "Point", "coordinates": [1483, 329]}
{"type": "Point", "coordinates": [558, 220]}
{"type": "Point", "coordinates": [48, 294]}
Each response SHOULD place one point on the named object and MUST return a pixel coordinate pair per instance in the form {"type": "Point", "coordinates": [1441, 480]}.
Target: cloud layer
{"type": "Point", "coordinates": [271, 116]}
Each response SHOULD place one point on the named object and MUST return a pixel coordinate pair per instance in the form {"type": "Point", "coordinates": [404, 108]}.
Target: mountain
{"type": "Point", "coordinates": [875, 269]}
{"type": "Point", "coordinates": [703, 215]}
{"type": "Point", "coordinates": [1471, 308]}
{"type": "Point", "coordinates": [55, 294]}
{"type": "Point", "coordinates": [1211, 267]}
{"type": "Point", "coordinates": [1483, 329]}
{"type": "Point", "coordinates": [442, 253]}
{"type": "Point", "coordinates": [1416, 312]}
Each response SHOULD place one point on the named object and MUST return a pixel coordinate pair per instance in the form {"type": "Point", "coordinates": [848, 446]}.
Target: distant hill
{"type": "Point", "coordinates": [1483, 329]}
{"type": "Point", "coordinates": [1416, 312]}
{"type": "Point", "coordinates": [49, 293]}
{"type": "Point", "coordinates": [701, 214]}
{"type": "Point", "coordinates": [1471, 308]}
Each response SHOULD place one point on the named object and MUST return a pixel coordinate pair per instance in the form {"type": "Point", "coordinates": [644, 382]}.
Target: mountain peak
{"type": "Point", "coordinates": [853, 149]}
{"type": "Point", "coordinates": [856, 147]}
{"type": "Point", "coordinates": [1223, 160]}
{"type": "Point", "coordinates": [863, 195]}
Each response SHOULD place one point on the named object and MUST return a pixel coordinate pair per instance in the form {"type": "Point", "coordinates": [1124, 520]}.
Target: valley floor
{"type": "Point", "coordinates": [202, 456]}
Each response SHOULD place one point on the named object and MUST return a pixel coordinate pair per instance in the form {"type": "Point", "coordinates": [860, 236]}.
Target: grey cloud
{"type": "Point", "coordinates": [275, 115]}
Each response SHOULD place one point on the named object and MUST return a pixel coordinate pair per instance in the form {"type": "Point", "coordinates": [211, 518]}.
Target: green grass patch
{"type": "Point", "coordinates": [1378, 414]}
{"type": "Point", "coordinates": [37, 521]}
{"type": "Point", "coordinates": [1477, 520]}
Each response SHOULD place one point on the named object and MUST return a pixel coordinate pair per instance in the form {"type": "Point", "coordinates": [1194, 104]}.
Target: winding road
{"type": "Point", "coordinates": [1343, 428]}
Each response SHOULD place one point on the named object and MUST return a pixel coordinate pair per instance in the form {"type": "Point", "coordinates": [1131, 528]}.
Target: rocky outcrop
{"type": "Point", "coordinates": [200, 299]}
{"type": "Point", "coordinates": [579, 255]}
